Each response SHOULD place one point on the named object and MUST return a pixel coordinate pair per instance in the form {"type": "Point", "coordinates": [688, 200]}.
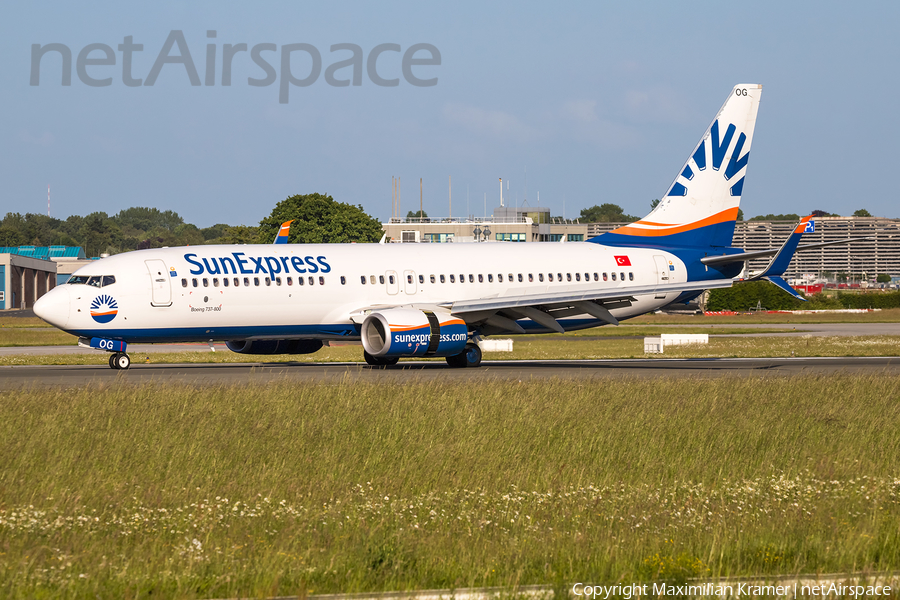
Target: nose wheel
{"type": "Point", "coordinates": [119, 360]}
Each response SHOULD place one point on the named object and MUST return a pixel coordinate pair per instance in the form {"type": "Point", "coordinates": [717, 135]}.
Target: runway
{"type": "Point", "coordinates": [14, 377]}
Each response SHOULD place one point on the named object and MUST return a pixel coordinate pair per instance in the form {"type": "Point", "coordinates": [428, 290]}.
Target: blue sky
{"type": "Point", "coordinates": [600, 102]}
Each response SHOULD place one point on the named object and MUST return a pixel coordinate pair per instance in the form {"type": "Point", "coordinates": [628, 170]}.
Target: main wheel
{"type": "Point", "coordinates": [470, 357]}
{"type": "Point", "coordinates": [122, 360]}
{"type": "Point", "coordinates": [112, 361]}
{"type": "Point", "coordinates": [379, 361]}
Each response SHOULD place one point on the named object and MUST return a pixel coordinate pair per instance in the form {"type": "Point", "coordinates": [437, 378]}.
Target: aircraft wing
{"type": "Point", "coordinates": [498, 314]}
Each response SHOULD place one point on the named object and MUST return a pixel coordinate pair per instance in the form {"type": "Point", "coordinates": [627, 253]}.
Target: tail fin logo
{"type": "Point", "coordinates": [714, 157]}
{"type": "Point", "coordinates": [104, 308]}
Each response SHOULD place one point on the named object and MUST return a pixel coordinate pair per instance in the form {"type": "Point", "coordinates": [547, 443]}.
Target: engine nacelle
{"type": "Point", "coordinates": [413, 332]}
{"type": "Point", "coordinates": [275, 346]}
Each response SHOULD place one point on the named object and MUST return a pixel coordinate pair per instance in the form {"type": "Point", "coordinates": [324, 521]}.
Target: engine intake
{"type": "Point", "coordinates": [275, 346]}
{"type": "Point", "coordinates": [413, 332]}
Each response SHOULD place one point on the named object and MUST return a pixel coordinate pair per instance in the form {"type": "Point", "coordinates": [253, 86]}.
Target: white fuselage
{"type": "Point", "coordinates": [181, 294]}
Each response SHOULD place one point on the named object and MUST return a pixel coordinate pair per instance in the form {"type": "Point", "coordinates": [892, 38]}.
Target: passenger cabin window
{"type": "Point", "coordinates": [278, 281]}
{"type": "Point", "coordinates": [604, 277]}
{"type": "Point", "coordinates": [471, 278]}
{"type": "Point", "coordinates": [194, 282]}
{"type": "Point", "coordinates": [613, 276]}
{"type": "Point", "coordinates": [622, 275]}
{"type": "Point", "coordinates": [391, 278]}
{"type": "Point", "coordinates": [321, 281]}
{"type": "Point", "coordinates": [596, 277]}
{"type": "Point", "coordinates": [381, 279]}
{"type": "Point", "coordinates": [568, 277]}
{"type": "Point", "coordinates": [225, 281]}
{"type": "Point", "coordinates": [237, 282]}
{"type": "Point", "coordinates": [268, 281]}
{"type": "Point", "coordinates": [362, 279]}
{"type": "Point", "coordinates": [550, 276]}
{"type": "Point", "coordinates": [246, 282]}
{"type": "Point", "coordinates": [630, 276]}
{"type": "Point", "coordinates": [443, 279]}
{"type": "Point", "coordinates": [312, 281]}
{"type": "Point", "coordinates": [183, 282]}
{"type": "Point", "coordinates": [343, 280]}
{"type": "Point", "coordinates": [421, 279]}
{"type": "Point", "coordinates": [290, 281]}
{"type": "Point", "coordinates": [372, 279]}
{"type": "Point", "coordinates": [300, 281]}
{"type": "Point", "coordinates": [431, 278]}
{"type": "Point", "coordinates": [540, 277]}
{"type": "Point", "coordinates": [452, 278]}
{"type": "Point", "coordinates": [205, 282]}
{"type": "Point", "coordinates": [490, 278]}
{"type": "Point", "coordinates": [520, 278]}
{"type": "Point", "coordinates": [577, 276]}
{"type": "Point", "coordinates": [215, 282]}
{"type": "Point", "coordinates": [256, 281]}
{"type": "Point", "coordinates": [480, 278]}
{"type": "Point", "coordinates": [500, 277]}
{"type": "Point", "coordinates": [409, 279]}
{"type": "Point", "coordinates": [530, 277]}
{"type": "Point", "coordinates": [510, 277]}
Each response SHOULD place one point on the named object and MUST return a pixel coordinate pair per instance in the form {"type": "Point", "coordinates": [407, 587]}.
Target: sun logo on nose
{"type": "Point", "coordinates": [104, 309]}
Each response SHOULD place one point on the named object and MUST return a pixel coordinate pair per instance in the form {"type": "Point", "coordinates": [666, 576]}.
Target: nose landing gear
{"type": "Point", "coordinates": [119, 360]}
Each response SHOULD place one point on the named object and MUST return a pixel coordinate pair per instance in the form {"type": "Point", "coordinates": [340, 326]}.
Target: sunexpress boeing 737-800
{"type": "Point", "coordinates": [428, 300]}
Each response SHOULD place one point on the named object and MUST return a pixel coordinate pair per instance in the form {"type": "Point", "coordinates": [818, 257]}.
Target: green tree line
{"type": "Point", "coordinates": [318, 218]}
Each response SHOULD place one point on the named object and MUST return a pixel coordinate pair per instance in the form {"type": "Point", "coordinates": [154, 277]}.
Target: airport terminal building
{"type": "Point", "coordinates": [880, 254]}
{"type": "Point", "coordinates": [29, 272]}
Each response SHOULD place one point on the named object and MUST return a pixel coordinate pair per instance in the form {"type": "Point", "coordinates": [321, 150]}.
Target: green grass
{"type": "Point", "coordinates": [227, 491]}
{"type": "Point", "coordinates": [527, 348]}
{"type": "Point", "coordinates": [891, 315]}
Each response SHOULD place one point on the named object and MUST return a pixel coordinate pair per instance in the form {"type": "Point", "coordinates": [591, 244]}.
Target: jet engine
{"type": "Point", "coordinates": [398, 332]}
{"type": "Point", "coordinates": [275, 346]}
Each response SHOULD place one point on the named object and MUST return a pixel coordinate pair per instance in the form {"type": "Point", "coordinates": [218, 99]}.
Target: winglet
{"type": "Point", "coordinates": [282, 237]}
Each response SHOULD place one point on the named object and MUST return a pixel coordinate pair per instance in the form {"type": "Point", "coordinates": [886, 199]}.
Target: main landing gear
{"type": "Point", "coordinates": [378, 361]}
{"type": "Point", "coordinates": [470, 357]}
{"type": "Point", "coordinates": [119, 360]}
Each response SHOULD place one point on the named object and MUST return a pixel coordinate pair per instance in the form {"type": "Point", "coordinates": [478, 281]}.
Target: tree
{"type": "Point", "coordinates": [862, 213]}
{"type": "Point", "coordinates": [882, 277]}
{"type": "Point", "coordinates": [319, 219]}
{"type": "Point", "coordinates": [822, 213]}
{"type": "Point", "coordinates": [740, 215]}
{"type": "Point", "coordinates": [654, 203]}
{"type": "Point", "coordinates": [771, 217]}
{"type": "Point", "coordinates": [606, 213]}
{"type": "Point", "coordinates": [419, 214]}
{"type": "Point", "coordinates": [147, 219]}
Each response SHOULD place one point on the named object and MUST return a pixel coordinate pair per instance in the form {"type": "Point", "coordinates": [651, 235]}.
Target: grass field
{"type": "Point", "coordinates": [174, 491]}
{"type": "Point", "coordinates": [527, 348]}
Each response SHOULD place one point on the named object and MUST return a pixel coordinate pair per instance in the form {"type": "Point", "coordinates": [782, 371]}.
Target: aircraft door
{"type": "Point", "coordinates": [392, 281]}
{"type": "Point", "coordinates": [159, 280]}
{"type": "Point", "coordinates": [409, 282]}
{"type": "Point", "coordinates": [662, 273]}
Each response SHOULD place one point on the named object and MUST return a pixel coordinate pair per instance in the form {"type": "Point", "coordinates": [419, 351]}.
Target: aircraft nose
{"type": "Point", "coordinates": [54, 307]}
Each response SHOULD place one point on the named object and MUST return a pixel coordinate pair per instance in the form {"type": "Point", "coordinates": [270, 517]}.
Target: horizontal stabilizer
{"type": "Point", "coordinates": [745, 256]}
{"type": "Point", "coordinates": [784, 285]}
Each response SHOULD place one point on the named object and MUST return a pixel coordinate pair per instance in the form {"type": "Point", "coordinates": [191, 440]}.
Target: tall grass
{"type": "Point", "coordinates": [223, 491]}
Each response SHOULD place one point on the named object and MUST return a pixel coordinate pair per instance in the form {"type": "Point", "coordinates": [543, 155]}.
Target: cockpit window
{"type": "Point", "coordinates": [92, 280]}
